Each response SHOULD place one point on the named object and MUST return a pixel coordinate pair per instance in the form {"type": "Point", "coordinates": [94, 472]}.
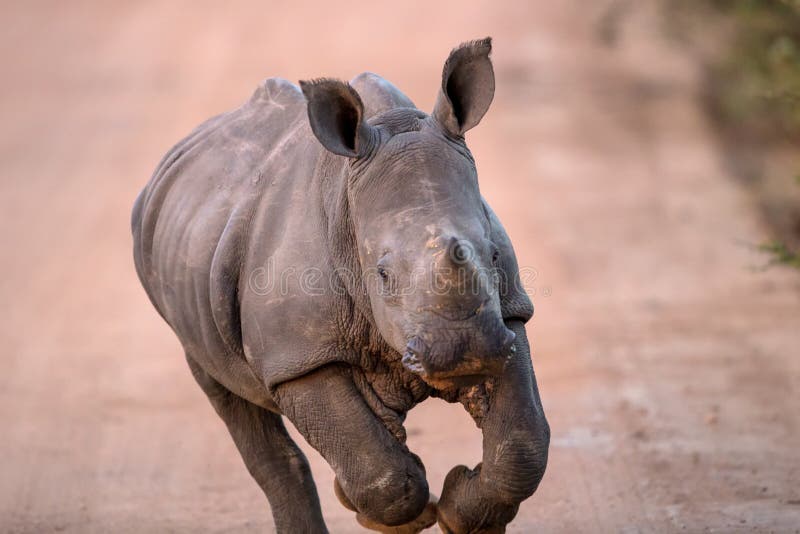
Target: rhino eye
{"type": "Point", "coordinates": [495, 256]}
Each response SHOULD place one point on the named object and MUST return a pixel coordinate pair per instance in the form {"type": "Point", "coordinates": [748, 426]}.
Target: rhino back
{"type": "Point", "coordinates": [192, 222]}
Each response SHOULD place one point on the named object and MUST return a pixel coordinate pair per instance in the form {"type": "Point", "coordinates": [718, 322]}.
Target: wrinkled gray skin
{"type": "Point", "coordinates": [280, 240]}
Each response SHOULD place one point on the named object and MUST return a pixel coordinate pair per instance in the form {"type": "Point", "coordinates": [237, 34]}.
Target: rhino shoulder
{"type": "Point", "coordinates": [379, 94]}
{"type": "Point", "coordinates": [514, 301]}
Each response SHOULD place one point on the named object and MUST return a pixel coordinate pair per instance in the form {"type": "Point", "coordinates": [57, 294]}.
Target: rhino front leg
{"type": "Point", "coordinates": [271, 457]}
{"type": "Point", "coordinates": [376, 474]}
{"type": "Point", "coordinates": [516, 437]}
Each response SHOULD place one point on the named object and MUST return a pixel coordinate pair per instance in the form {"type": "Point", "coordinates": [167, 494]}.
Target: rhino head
{"type": "Point", "coordinates": [422, 232]}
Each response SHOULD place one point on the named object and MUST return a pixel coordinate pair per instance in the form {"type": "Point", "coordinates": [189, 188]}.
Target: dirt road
{"type": "Point", "coordinates": [669, 368]}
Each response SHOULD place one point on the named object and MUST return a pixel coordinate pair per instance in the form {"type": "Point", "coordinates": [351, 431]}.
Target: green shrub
{"type": "Point", "coordinates": [752, 50]}
{"type": "Point", "coordinates": [757, 82]}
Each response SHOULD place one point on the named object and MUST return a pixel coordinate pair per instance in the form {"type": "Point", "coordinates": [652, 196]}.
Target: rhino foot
{"type": "Point", "coordinates": [426, 519]}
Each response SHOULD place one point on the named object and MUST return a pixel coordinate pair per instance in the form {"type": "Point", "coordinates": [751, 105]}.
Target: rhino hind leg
{"type": "Point", "coordinates": [273, 459]}
{"type": "Point", "coordinates": [377, 476]}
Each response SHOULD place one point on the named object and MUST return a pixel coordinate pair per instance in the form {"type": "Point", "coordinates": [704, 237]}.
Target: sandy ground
{"type": "Point", "coordinates": [669, 367]}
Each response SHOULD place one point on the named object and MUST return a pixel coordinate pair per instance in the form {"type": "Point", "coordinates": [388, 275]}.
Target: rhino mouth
{"type": "Point", "coordinates": [414, 356]}
{"type": "Point", "coordinates": [461, 367]}
{"type": "Point", "coordinates": [456, 313]}
{"type": "Point", "coordinates": [412, 362]}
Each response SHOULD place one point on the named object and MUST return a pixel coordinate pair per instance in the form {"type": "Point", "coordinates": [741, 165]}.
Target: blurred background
{"type": "Point", "coordinates": [643, 156]}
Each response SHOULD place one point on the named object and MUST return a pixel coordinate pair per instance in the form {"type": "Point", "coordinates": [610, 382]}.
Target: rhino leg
{"type": "Point", "coordinates": [377, 475]}
{"type": "Point", "coordinates": [515, 442]}
{"type": "Point", "coordinates": [271, 457]}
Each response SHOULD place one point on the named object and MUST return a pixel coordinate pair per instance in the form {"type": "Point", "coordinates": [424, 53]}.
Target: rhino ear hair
{"type": "Point", "coordinates": [467, 87]}
{"type": "Point", "coordinates": [336, 115]}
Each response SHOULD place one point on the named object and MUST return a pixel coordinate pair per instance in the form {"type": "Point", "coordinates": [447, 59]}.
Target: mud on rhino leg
{"type": "Point", "coordinates": [271, 457]}
{"type": "Point", "coordinates": [376, 474]}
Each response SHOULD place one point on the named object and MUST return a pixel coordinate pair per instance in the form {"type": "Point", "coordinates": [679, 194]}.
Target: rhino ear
{"type": "Point", "coordinates": [467, 87]}
{"type": "Point", "coordinates": [336, 115]}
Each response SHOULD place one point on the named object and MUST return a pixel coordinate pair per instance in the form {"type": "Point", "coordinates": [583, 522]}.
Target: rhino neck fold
{"type": "Point", "coordinates": [335, 173]}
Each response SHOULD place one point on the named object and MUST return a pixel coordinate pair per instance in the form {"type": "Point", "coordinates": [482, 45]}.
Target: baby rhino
{"type": "Point", "coordinates": [323, 253]}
